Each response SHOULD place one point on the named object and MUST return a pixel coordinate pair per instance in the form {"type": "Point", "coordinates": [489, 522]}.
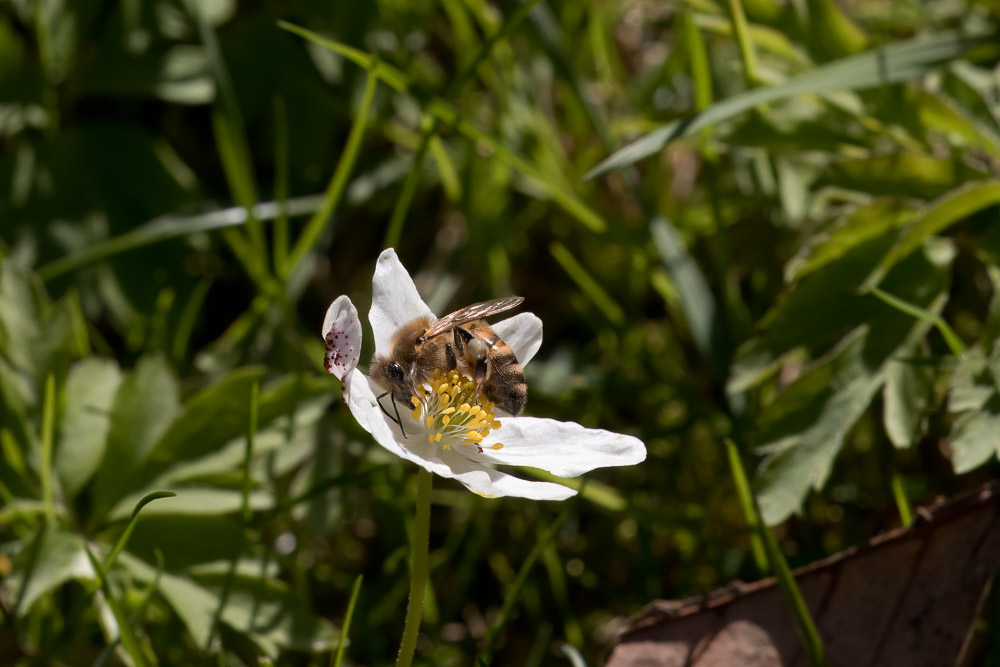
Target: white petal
{"type": "Point", "coordinates": [395, 301]}
{"type": "Point", "coordinates": [565, 449]}
{"type": "Point", "coordinates": [342, 334]}
{"type": "Point", "coordinates": [492, 483]}
{"type": "Point", "coordinates": [523, 333]}
{"type": "Point", "coordinates": [474, 475]}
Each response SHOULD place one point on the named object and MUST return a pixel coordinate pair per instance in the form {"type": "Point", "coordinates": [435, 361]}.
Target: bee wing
{"type": "Point", "coordinates": [476, 311]}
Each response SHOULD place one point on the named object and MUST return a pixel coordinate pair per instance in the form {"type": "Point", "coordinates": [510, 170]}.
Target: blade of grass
{"type": "Point", "coordinates": [185, 325]}
{"type": "Point", "coordinates": [281, 170]}
{"type": "Point", "coordinates": [954, 343]}
{"type": "Point", "coordinates": [742, 33]}
{"type": "Point", "coordinates": [170, 227]}
{"type": "Point", "coordinates": [899, 61]}
{"type": "Point", "coordinates": [587, 284]}
{"type": "Point", "coordinates": [447, 114]}
{"type": "Point", "coordinates": [902, 502]}
{"type": "Point", "coordinates": [48, 437]}
{"type": "Point", "coordinates": [745, 496]}
{"type": "Point", "coordinates": [786, 581]}
{"type": "Point", "coordinates": [331, 198]}
{"type": "Point", "coordinates": [130, 526]}
{"type": "Point", "coordinates": [78, 322]}
{"type": "Point", "coordinates": [248, 451]}
{"type": "Point", "coordinates": [230, 136]}
{"type": "Point", "coordinates": [346, 627]}
{"type": "Point", "coordinates": [125, 634]}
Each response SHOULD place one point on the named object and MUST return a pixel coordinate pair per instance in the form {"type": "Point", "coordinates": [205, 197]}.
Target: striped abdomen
{"type": "Point", "coordinates": [504, 384]}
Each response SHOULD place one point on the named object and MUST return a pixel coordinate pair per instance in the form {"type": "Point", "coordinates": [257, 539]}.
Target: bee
{"type": "Point", "coordinates": [458, 341]}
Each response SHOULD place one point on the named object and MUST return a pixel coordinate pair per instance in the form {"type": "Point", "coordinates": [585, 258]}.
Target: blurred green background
{"type": "Point", "coordinates": [801, 253]}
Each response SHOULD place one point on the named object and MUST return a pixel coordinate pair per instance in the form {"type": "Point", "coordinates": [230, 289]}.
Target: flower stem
{"type": "Point", "coordinates": [418, 574]}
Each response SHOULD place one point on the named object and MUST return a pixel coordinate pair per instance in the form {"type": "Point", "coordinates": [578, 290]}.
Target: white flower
{"type": "Point", "coordinates": [437, 434]}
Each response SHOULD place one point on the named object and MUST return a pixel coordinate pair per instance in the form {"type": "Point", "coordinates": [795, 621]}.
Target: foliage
{"type": "Point", "coordinates": [770, 222]}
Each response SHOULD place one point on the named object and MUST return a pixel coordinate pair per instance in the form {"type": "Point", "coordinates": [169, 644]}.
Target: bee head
{"type": "Point", "coordinates": [393, 377]}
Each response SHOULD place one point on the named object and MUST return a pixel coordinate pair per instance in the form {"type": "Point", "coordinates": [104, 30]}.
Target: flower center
{"type": "Point", "coordinates": [452, 415]}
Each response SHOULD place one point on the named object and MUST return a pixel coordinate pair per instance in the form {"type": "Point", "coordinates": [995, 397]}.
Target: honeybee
{"type": "Point", "coordinates": [459, 341]}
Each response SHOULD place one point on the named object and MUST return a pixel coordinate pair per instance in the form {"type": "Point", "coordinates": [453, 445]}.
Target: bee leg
{"type": "Point", "coordinates": [481, 370]}
{"type": "Point", "coordinates": [399, 422]}
{"type": "Point", "coordinates": [449, 355]}
{"type": "Point", "coordinates": [462, 337]}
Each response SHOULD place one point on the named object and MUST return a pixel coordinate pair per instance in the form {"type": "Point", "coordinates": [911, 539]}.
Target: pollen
{"type": "Point", "coordinates": [453, 415]}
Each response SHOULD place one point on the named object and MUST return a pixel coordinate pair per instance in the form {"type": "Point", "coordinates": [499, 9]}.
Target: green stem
{"type": "Point", "coordinates": [48, 438]}
{"type": "Point", "coordinates": [418, 574]}
{"type": "Point", "coordinates": [902, 502]}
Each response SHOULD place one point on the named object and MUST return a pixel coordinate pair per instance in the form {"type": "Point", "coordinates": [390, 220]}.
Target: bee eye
{"type": "Point", "coordinates": [395, 371]}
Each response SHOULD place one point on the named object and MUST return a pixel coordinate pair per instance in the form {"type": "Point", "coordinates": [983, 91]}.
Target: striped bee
{"type": "Point", "coordinates": [460, 341]}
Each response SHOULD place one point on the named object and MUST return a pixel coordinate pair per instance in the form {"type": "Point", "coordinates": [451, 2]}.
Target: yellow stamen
{"type": "Point", "coordinates": [448, 411]}
{"type": "Point", "coordinates": [415, 401]}
{"type": "Point", "coordinates": [496, 424]}
{"type": "Point", "coordinates": [445, 419]}
{"type": "Point", "coordinates": [473, 436]}
{"type": "Point", "coordinates": [495, 446]}
{"type": "Point", "coordinates": [474, 409]}
{"type": "Point", "coordinates": [429, 421]}
{"type": "Point", "coordinates": [464, 407]}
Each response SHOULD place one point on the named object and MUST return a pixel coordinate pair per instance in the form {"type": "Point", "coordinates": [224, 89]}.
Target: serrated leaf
{"type": "Point", "coordinates": [49, 561]}
{"type": "Point", "coordinates": [804, 427]}
{"type": "Point", "coordinates": [89, 394]}
{"type": "Point", "coordinates": [145, 405]}
{"type": "Point", "coordinates": [906, 395]}
{"type": "Point", "coordinates": [975, 438]}
{"type": "Point", "coordinates": [262, 609]}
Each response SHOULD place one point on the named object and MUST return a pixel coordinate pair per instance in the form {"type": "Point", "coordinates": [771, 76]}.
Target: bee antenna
{"type": "Point", "coordinates": [396, 419]}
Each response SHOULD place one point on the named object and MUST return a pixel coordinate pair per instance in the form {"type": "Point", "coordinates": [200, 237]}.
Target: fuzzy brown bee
{"type": "Point", "coordinates": [460, 341]}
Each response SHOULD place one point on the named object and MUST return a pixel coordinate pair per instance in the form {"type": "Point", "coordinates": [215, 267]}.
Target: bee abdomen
{"type": "Point", "coordinates": [506, 386]}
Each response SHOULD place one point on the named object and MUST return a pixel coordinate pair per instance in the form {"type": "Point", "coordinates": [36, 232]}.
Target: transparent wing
{"type": "Point", "coordinates": [476, 311]}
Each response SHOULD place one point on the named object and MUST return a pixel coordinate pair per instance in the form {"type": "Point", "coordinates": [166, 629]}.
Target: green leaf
{"type": "Point", "coordinates": [804, 427]}
{"type": "Point", "coordinates": [32, 330]}
{"type": "Point", "coordinates": [89, 393]}
{"type": "Point", "coordinates": [47, 562]}
{"type": "Point", "coordinates": [186, 540]}
{"type": "Point", "coordinates": [975, 438]}
{"type": "Point", "coordinates": [974, 380]}
{"type": "Point", "coordinates": [949, 209]}
{"type": "Point", "coordinates": [145, 405]}
{"type": "Point", "coordinates": [899, 61]}
{"type": "Point", "coordinates": [906, 396]}
{"type": "Point", "coordinates": [264, 610]}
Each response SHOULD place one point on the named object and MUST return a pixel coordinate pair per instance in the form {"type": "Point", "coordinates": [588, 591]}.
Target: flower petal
{"type": "Point", "coordinates": [523, 333]}
{"type": "Point", "coordinates": [342, 334]}
{"type": "Point", "coordinates": [492, 483]}
{"type": "Point", "coordinates": [565, 449]}
{"type": "Point", "coordinates": [473, 474]}
{"type": "Point", "coordinates": [395, 301]}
